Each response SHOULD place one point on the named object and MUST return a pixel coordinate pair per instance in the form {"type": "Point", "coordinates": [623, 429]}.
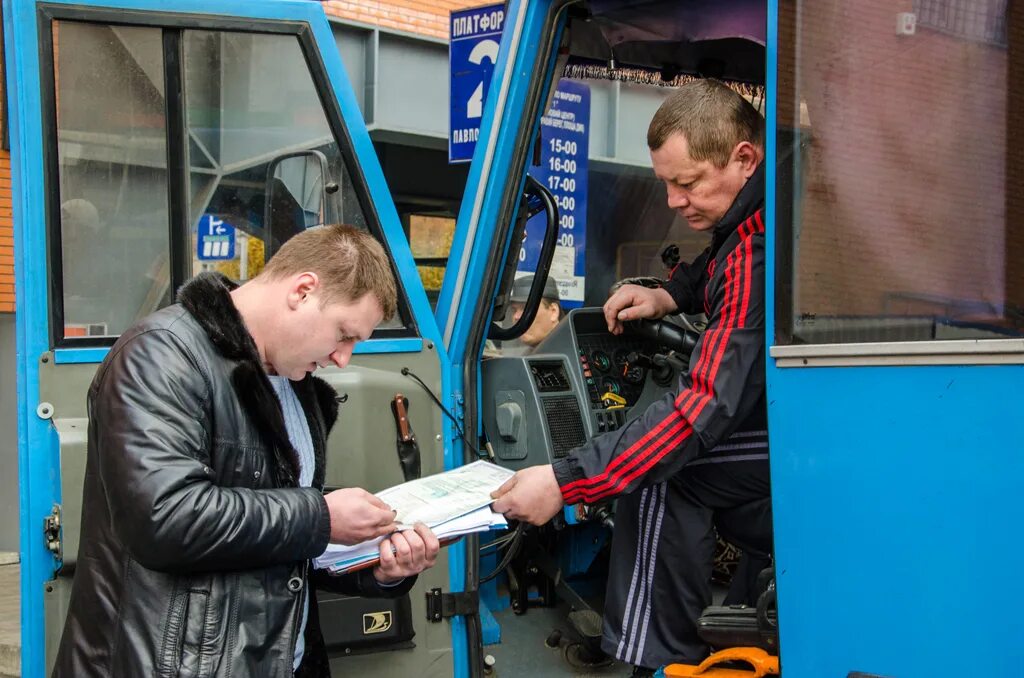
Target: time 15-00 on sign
{"type": "Point", "coordinates": [563, 146]}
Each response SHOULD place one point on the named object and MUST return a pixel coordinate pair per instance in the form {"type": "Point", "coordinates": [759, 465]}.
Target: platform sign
{"type": "Point", "coordinates": [216, 241]}
{"type": "Point", "coordinates": [565, 138]}
{"type": "Point", "coordinates": [472, 52]}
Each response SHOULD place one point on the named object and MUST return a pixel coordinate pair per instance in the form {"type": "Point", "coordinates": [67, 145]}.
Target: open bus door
{"type": "Point", "coordinates": [543, 400]}
{"type": "Point", "coordinates": [149, 145]}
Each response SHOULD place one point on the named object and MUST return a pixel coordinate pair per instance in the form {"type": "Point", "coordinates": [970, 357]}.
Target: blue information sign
{"type": "Point", "coordinates": [472, 51]}
{"type": "Point", "coordinates": [565, 137]}
{"type": "Point", "coordinates": [216, 240]}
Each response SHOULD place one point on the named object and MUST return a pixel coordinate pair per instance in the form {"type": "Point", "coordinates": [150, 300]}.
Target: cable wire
{"type": "Point", "coordinates": [513, 549]}
{"type": "Point", "coordinates": [409, 373]}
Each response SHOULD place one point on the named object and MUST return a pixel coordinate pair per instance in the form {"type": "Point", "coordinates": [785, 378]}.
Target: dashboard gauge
{"type": "Point", "coordinates": [621, 360]}
{"type": "Point", "coordinates": [601, 361]}
{"type": "Point", "coordinates": [611, 386]}
{"type": "Point", "coordinates": [633, 374]}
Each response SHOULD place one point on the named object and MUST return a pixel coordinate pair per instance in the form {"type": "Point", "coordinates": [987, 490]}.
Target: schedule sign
{"type": "Point", "coordinates": [565, 137]}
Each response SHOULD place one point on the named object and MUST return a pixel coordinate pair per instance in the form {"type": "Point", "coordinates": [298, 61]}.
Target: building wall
{"type": "Point", "coordinates": [6, 236]}
{"type": "Point", "coordinates": [8, 431]}
{"type": "Point", "coordinates": [906, 171]}
{"type": "Point", "coordinates": [424, 17]}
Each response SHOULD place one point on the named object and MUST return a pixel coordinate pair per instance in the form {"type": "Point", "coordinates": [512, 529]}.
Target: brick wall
{"type": "Point", "coordinates": [906, 175]}
{"type": "Point", "coordinates": [424, 17]}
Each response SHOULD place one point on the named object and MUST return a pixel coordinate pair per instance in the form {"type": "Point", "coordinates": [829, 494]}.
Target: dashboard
{"type": "Point", "coordinates": [580, 382]}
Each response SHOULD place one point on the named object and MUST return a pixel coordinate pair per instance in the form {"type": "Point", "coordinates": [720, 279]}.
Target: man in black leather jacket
{"type": "Point", "coordinates": [203, 502]}
{"type": "Point", "coordinates": [697, 459]}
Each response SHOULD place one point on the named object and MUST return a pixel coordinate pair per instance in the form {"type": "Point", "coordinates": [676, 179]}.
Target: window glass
{"type": "Point", "coordinates": [112, 164]}
{"type": "Point", "coordinates": [250, 101]}
{"type": "Point", "coordinates": [629, 222]}
{"type": "Point", "coordinates": [263, 161]}
{"type": "Point", "coordinates": [900, 212]}
{"type": "Point", "coordinates": [629, 225]}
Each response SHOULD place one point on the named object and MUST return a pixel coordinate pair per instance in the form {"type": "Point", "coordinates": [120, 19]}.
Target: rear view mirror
{"type": "Point", "coordinates": [299, 195]}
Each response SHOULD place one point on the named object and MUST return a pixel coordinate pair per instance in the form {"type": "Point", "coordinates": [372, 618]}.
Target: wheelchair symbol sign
{"type": "Point", "coordinates": [216, 241]}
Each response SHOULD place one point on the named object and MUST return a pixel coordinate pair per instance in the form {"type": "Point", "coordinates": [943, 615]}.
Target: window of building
{"type": "Point", "coordinates": [981, 20]}
{"type": "Point", "coordinates": [430, 239]}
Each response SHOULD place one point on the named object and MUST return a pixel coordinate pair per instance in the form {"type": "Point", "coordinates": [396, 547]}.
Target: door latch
{"type": "Point", "coordinates": [51, 530]}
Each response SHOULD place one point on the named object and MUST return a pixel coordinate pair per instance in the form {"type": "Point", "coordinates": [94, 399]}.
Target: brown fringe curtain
{"type": "Point", "coordinates": [647, 77]}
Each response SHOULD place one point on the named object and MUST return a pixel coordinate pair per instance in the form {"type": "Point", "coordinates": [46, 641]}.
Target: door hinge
{"type": "Point", "coordinates": [444, 605]}
{"type": "Point", "coordinates": [51, 530]}
{"type": "Point", "coordinates": [459, 407]}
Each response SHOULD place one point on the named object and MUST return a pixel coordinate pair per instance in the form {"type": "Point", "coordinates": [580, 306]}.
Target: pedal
{"type": "Point", "coordinates": [586, 622]}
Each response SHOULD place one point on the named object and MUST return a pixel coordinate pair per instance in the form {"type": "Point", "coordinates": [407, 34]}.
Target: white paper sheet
{"type": "Point", "coordinates": [338, 558]}
{"type": "Point", "coordinates": [452, 504]}
{"type": "Point", "coordinates": [444, 496]}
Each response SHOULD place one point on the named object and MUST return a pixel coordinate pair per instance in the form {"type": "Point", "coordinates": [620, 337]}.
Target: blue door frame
{"type": "Point", "coordinates": [38, 451]}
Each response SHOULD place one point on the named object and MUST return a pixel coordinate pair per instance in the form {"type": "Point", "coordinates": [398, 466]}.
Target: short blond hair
{"type": "Point", "coordinates": [349, 262]}
{"type": "Point", "coordinates": [712, 117]}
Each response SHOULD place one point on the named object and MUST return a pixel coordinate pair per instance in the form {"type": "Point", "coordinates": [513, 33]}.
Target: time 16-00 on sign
{"type": "Point", "coordinates": [556, 164]}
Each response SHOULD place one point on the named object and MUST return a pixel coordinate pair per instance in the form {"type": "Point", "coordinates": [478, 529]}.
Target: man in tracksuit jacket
{"type": "Point", "coordinates": [698, 458]}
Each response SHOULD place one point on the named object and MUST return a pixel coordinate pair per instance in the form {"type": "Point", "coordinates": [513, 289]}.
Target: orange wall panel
{"type": "Point", "coordinates": [6, 236]}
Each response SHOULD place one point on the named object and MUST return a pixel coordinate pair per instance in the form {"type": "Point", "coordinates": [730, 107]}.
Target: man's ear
{"type": "Point", "coordinates": [555, 309]}
{"type": "Point", "coordinates": [302, 286]}
{"type": "Point", "coordinates": [748, 155]}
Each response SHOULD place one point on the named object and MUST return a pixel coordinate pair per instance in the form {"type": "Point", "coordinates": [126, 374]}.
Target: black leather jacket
{"type": "Point", "coordinates": [196, 542]}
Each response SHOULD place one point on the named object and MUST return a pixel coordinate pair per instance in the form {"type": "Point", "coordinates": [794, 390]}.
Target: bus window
{"type": "Point", "coordinates": [112, 166]}
{"type": "Point", "coordinates": [900, 211]}
{"type": "Point", "coordinates": [237, 127]}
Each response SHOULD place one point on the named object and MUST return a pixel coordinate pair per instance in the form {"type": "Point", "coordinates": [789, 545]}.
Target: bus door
{"type": "Point", "coordinates": [896, 250]}
{"type": "Point", "coordinates": [149, 145]}
{"type": "Point", "coordinates": [533, 409]}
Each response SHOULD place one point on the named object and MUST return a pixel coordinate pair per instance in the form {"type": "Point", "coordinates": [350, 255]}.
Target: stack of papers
{"type": "Point", "coordinates": [451, 504]}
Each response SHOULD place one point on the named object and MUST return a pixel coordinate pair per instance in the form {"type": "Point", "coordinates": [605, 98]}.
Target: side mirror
{"type": "Point", "coordinates": [299, 195]}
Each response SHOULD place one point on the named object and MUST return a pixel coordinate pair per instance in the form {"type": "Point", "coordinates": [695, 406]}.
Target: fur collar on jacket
{"type": "Point", "coordinates": [207, 298]}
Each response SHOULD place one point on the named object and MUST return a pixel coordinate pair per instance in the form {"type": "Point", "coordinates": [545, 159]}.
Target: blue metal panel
{"type": "Point", "coordinates": [37, 449]}
{"type": "Point", "coordinates": [771, 163]}
{"type": "Point", "coordinates": [68, 356]}
{"type": "Point", "coordinates": [389, 346]}
{"type": "Point", "coordinates": [897, 509]}
{"type": "Point", "coordinates": [37, 442]}
{"type": "Point", "coordinates": [75, 356]}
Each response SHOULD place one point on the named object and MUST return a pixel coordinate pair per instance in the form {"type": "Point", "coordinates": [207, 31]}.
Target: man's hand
{"type": "Point", "coordinates": [357, 515]}
{"type": "Point", "coordinates": [633, 302]}
{"type": "Point", "coordinates": [531, 495]}
{"type": "Point", "coordinates": [406, 554]}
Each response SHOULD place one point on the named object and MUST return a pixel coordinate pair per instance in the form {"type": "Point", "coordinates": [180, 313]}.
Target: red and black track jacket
{"type": "Point", "coordinates": [719, 413]}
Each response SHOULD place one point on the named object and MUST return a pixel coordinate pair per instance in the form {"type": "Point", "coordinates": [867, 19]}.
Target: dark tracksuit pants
{"type": "Point", "coordinates": [662, 550]}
